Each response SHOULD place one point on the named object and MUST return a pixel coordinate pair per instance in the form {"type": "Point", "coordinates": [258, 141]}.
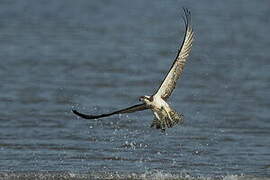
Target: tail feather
{"type": "Point", "coordinates": [165, 120]}
{"type": "Point", "coordinates": [176, 118]}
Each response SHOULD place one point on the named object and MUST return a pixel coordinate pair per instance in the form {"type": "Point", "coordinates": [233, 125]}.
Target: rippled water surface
{"type": "Point", "coordinates": [98, 56]}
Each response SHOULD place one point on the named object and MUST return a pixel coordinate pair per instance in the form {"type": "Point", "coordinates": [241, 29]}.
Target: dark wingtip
{"type": "Point", "coordinates": [85, 116]}
{"type": "Point", "coordinates": [75, 112]}
{"type": "Point", "coordinates": [187, 17]}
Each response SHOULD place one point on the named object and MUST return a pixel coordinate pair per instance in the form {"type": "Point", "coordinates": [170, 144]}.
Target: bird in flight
{"type": "Point", "coordinates": [164, 115]}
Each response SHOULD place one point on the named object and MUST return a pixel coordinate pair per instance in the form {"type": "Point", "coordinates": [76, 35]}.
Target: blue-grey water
{"type": "Point", "coordinates": [97, 56]}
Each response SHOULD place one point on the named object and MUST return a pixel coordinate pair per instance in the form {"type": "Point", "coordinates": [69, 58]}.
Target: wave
{"type": "Point", "coordinates": [109, 175]}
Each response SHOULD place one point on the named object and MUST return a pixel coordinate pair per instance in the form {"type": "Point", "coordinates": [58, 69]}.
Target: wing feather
{"type": "Point", "coordinates": [167, 86]}
{"type": "Point", "coordinates": [138, 107]}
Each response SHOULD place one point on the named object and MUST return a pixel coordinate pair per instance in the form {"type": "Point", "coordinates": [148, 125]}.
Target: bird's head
{"type": "Point", "coordinates": [146, 99]}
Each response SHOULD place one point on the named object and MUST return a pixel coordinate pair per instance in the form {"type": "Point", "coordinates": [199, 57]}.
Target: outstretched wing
{"type": "Point", "coordinates": [167, 86]}
{"type": "Point", "coordinates": [138, 107]}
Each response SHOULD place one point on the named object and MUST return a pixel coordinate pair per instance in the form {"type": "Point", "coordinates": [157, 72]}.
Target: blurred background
{"type": "Point", "coordinates": [97, 56]}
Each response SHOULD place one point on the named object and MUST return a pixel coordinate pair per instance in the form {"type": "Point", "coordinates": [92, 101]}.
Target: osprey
{"type": "Point", "coordinates": [165, 116]}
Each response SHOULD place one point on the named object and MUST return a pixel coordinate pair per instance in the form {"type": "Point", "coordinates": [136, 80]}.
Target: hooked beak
{"type": "Point", "coordinates": [141, 98]}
